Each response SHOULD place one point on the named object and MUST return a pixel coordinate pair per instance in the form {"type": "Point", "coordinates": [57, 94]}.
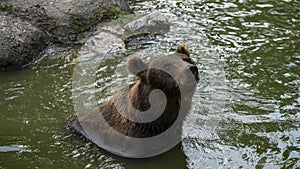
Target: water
{"type": "Point", "coordinates": [246, 110]}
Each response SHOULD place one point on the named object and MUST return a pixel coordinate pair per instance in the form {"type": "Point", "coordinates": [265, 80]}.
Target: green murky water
{"type": "Point", "coordinates": [246, 110]}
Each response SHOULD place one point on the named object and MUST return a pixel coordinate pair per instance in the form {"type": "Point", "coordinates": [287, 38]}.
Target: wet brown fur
{"type": "Point", "coordinates": [137, 95]}
{"type": "Point", "coordinates": [149, 79]}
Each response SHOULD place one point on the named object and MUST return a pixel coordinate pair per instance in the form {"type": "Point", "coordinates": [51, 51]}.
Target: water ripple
{"type": "Point", "coordinates": [259, 41]}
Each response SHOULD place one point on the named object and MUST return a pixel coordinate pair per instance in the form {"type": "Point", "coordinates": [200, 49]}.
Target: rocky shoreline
{"type": "Point", "coordinates": [28, 27]}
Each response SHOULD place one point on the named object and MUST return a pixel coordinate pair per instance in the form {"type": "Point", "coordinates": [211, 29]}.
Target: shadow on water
{"type": "Point", "coordinates": [174, 158]}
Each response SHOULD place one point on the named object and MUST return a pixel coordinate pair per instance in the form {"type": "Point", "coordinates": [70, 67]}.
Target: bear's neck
{"type": "Point", "coordinates": [139, 99]}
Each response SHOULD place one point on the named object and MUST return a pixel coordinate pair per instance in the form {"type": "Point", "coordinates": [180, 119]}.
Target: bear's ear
{"type": "Point", "coordinates": [182, 49]}
{"type": "Point", "coordinates": [136, 66]}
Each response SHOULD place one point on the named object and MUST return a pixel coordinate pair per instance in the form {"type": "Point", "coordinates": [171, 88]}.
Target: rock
{"type": "Point", "coordinates": [20, 42]}
{"type": "Point", "coordinates": [26, 27]}
{"type": "Point", "coordinates": [115, 30]}
{"type": "Point", "coordinates": [154, 23]}
{"type": "Point", "coordinates": [108, 41]}
{"type": "Point", "coordinates": [66, 20]}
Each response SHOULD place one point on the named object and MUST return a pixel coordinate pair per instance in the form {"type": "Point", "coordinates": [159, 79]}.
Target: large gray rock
{"type": "Point", "coordinates": [66, 20]}
{"type": "Point", "coordinates": [20, 42]}
{"type": "Point", "coordinates": [29, 25]}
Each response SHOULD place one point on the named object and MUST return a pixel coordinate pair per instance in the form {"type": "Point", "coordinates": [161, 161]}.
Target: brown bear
{"type": "Point", "coordinates": [146, 108]}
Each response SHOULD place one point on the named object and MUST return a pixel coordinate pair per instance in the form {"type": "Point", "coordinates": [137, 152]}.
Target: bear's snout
{"type": "Point", "coordinates": [194, 71]}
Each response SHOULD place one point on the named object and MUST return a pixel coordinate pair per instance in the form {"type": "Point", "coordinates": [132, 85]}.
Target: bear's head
{"type": "Point", "coordinates": [171, 73]}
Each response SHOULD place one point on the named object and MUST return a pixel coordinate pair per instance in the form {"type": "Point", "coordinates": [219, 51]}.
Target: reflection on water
{"type": "Point", "coordinates": [18, 148]}
{"type": "Point", "coordinates": [246, 111]}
